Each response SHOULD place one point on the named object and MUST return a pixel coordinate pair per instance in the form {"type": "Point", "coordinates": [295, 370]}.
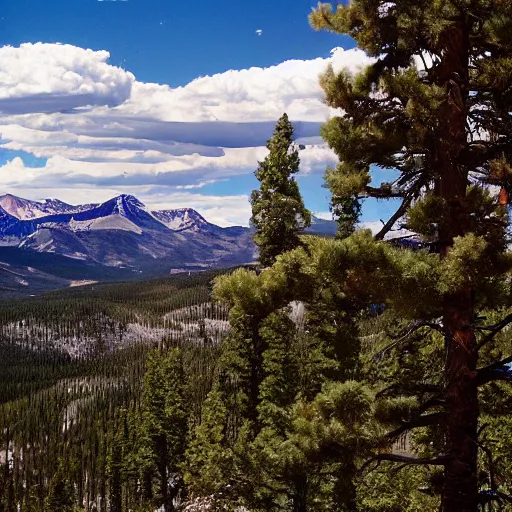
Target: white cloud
{"type": "Point", "coordinates": [53, 77]}
{"type": "Point", "coordinates": [323, 215]}
{"type": "Point", "coordinates": [56, 75]}
{"type": "Point", "coordinates": [98, 126]}
{"type": "Point", "coordinates": [375, 226]}
{"type": "Point", "coordinates": [257, 94]}
{"type": "Point", "coordinates": [221, 210]}
{"type": "Point", "coordinates": [126, 167]}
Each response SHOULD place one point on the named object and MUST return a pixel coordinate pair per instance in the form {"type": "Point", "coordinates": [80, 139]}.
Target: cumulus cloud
{"type": "Point", "coordinates": [54, 77]}
{"type": "Point", "coordinates": [323, 215]}
{"type": "Point", "coordinates": [97, 126]}
{"type": "Point", "coordinates": [258, 94]}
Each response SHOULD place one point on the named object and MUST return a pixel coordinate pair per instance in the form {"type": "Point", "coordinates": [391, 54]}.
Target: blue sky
{"type": "Point", "coordinates": [81, 124]}
{"type": "Point", "coordinates": [173, 42]}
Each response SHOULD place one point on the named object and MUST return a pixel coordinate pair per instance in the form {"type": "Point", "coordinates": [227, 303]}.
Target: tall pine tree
{"type": "Point", "coordinates": [278, 211]}
{"type": "Point", "coordinates": [164, 424]}
{"type": "Point", "coordinates": [435, 106]}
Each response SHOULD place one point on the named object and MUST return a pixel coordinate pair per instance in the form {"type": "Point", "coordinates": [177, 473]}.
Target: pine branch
{"type": "Point", "coordinates": [432, 402]}
{"type": "Point", "coordinates": [481, 151]}
{"type": "Point", "coordinates": [408, 331]}
{"type": "Point", "coordinates": [403, 459]}
{"type": "Point", "coordinates": [381, 193]}
{"type": "Point", "coordinates": [408, 197]}
{"type": "Point", "coordinates": [506, 497]}
{"type": "Point", "coordinates": [402, 209]}
{"type": "Point", "coordinates": [421, 421]}
{"type": "Point", "coordinates": [487, 496]}
{"type": "Point", "coordinates": [327, 20]}
{"type": "Point", "coordinates": [488, 453]}
{"type": "Point", "coordinates": [496, 371]}
{"type": "Point", "coordinates": [494, 330]}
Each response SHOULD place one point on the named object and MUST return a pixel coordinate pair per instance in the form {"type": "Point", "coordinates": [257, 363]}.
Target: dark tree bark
{"type": "Point", "coordinates": [300, 494]}
{"type": "Point", "coordinates": [460, 492]}
{"type": "Point", "coordinates": [161, 449]}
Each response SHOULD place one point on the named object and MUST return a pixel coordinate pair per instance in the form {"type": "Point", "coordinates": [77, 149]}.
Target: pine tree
{"type": "Point", "coordinates": [278, 211]}
{"type": "Point", "coordinates": [164, 423]}
{"type": "Point", "coordinates": [115, 467]}
{"type": "Point", "coordinates": [346, 211]}
{"type": "Point", "coordinates": [435, 105]}
{"type": "Point", "coordinates": [297, 352]}
{"type": "Point", "coordinates": [208, 465]}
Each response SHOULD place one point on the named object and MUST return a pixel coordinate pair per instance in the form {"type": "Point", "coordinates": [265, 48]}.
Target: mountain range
{"type": "Point", "coordinates": [51, 244]}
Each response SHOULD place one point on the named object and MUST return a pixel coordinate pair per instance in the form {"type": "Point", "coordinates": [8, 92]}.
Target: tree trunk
{"type": "Point", "coordinates": [161, 449]}
{"type": "Point", "coordinates": [300, 493]}
{"type": "Point", "coordinates": [460, 490]}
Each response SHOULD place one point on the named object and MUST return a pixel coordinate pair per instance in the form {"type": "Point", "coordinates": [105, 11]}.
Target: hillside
{"type": "Point", "coordinates": [69, 358]}
{"type": "Point", "coordinates": [80, 320]}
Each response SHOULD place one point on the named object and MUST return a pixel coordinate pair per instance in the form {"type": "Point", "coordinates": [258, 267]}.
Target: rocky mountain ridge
{"type": "Point", "coordinates": [118, 239]}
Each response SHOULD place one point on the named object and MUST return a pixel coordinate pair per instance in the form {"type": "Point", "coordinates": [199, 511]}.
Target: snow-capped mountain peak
{"type": "Point", "coordinates": [53, 213]}
{"type": "Point", "coordinates": [121, 232]}
{"type": "Point", "coordinates": [181, 219]}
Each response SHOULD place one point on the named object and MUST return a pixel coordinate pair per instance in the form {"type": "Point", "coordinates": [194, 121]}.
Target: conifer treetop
{"type": "Point", "coordinates": [278, 211]}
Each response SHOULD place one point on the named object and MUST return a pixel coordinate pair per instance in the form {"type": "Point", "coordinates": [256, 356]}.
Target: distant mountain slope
{"type": "Point", "coordinates": [120, 238]}
{"type": "Point", "coordinates": [25, 273]}
{"type": "Point", "coordinates": [322, 226]}
{"type": "Point", "coordinates": [24, 209]}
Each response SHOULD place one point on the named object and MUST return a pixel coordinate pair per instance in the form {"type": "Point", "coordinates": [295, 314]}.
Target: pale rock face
{"type": "Point", "coordinates": [24, 209]}
{"type": "Point", "coordinates": [180, 219]}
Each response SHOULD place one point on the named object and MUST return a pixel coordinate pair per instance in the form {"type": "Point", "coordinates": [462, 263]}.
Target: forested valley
{"type": "Point", "coordinates": [339, 374]}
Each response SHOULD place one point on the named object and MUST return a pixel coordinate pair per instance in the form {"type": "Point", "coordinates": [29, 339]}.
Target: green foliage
{"type": "Point", "coordinates": [329, 435]}
{"type": "Point", "coordinates": [294, 331]}
{"type": "Point", "coordinates": [427, 215]}
{"type": "Point", "coordinates": [341, 415]}
{"type": "Point", "coordinates": [279, 386]}
{"type": "Point", "coordinates": [343, 356]}
{"type": "Point", "coordinates": [387, 489]}
{"type": "Point", "coordinates": [278, 211]}
{"type": "Point", "coordinates": [448, 138]}
{"type": "Point", "coordinates": [209, 460]}
{"type": "Point", "coordinates": [346, 211]}
{"type": "Point", "coordinates": [163, 428]}
{"type": "Point", "coordinates": [90, 408]}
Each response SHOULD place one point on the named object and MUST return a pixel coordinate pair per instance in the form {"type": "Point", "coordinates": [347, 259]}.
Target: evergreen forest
{"type": "Point", "coordinates": [343, 374]}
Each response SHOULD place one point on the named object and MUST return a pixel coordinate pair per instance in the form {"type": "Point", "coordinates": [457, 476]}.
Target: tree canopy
{"type": "Point", "coordinates": [435, 106]}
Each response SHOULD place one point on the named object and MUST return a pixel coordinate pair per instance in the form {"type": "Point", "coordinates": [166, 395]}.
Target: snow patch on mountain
{"type": "Point", "coordinates": [123, 232]}
{"type": "Point", "coordinates": [10, 241]}
{"type": "Point", "coordinates": [77, 256]}
{"type": "Point", "coordinates": [115, 222]}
